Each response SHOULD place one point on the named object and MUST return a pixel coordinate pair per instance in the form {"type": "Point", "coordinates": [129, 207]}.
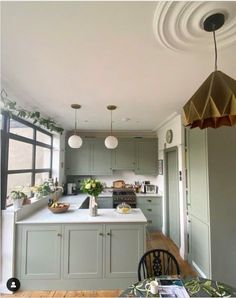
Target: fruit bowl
{"type": "Point", "coordinates": [59, 208]}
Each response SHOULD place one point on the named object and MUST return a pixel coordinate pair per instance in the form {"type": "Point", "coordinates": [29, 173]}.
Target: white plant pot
{"type": "Point", "coordinates": [17, 203]}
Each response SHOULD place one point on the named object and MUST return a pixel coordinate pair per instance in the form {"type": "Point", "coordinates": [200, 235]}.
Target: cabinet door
{"type": "Point", "coordinates": [147, 153]}
{"type": "Point", "coordinates": [199, 246]}
{"type": "Point", "coordinates": [124, 248]}
{"type": "Point", "coordinates": [101, 159]}
{"type": "Point", "coordinates": [124, 155]}
{"type": "Point", "coordinates": [83, 251]}
{"type": "Point", "coordinates": [78, 161]}
{"type": "Point", "coordinates": [40, 252]}
{"type": "Point", "coordinates": [105, 202]}
{"type": "Point", "coordinates": [152, 209]}
{"type": "Point", "coordinates": [198, 174]}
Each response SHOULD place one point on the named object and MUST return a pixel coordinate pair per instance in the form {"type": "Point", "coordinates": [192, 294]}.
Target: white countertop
{"type": "Point", "coordinates": [76, 215]}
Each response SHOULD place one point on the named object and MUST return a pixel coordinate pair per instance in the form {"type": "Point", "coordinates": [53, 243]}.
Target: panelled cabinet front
{"type": "Point", "coordinates": [83, 251]}
{"type": "Point", "coordinates": [40, 251]}
{"type": "Point", "coordinates": [78, 256]}
{"type": "Point", "coordinates": [124, 248]}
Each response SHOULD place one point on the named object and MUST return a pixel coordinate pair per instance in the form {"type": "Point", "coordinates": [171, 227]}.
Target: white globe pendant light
{"type": "Point", "coordinates": [75, 140]}
{"type": "Point", "coordinates": [111, 142]}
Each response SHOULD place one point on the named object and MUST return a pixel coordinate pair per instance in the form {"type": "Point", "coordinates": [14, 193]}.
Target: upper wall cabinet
{"type": "Point", "coordinates": [93, 158]}
{"type": "Point", "coordinates": [78, 161]}
{"type": "Point", "coordinates": [124, 156]}
{"type": "Point", "coordinates": [147, 154]}
{"type": "Point", "coordinates": [100, 158]}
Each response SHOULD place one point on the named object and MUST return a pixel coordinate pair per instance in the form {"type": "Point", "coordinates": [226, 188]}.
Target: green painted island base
{"type": "Point", "coordinates": [79, 256]}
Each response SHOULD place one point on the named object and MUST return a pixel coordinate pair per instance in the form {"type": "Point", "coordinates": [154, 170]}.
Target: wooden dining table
{"type": "Point", "coordinates": [196, 287]}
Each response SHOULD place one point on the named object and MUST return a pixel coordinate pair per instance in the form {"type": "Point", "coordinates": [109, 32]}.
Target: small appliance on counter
{"type": "Point", "coordinates": [148, 188]}
{"type": "Point", "coordinates": [151, 189]}
{"type": "Point", "coordinates": [71, 189]}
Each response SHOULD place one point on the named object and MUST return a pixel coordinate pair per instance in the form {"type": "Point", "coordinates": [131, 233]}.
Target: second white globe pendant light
{"type": "Point", "coordinates": [111, 142]}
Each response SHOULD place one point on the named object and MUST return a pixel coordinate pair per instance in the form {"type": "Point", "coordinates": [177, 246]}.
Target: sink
{"type": "Point", "coordinates": [85, 204]}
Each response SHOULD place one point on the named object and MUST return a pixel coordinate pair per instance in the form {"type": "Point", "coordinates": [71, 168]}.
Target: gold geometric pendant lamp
{"type": "Point", "coordinates": [214, 103]}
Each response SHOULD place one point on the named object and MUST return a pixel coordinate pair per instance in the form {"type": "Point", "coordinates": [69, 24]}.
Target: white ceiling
{"type": "Point", "coordinates": [100, 53]}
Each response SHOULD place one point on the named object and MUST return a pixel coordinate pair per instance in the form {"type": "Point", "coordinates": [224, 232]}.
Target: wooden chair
{"type": "Point", "coordinates": [157, 262]}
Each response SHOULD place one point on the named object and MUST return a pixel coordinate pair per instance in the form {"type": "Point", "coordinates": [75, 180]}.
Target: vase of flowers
{"type": "Point", "coordinates": [92, 187]}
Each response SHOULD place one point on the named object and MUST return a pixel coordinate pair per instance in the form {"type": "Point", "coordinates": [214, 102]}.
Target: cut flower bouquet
{"type": "Point", "coordinates": [92, 186]}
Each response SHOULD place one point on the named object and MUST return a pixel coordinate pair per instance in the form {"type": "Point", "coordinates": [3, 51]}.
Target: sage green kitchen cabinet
{"type": "Point", "coordinates": [93, 158]}
{"type": "Point", "coordinates": [100, 158]}
{"type": "Point", "coordinates": [124, 246]}
{"type": "Point", "coordinates": [105, 202]}
{"type": "Point", "coordinates": [124, 156]}
{"type": "Point", "coordinates": [39, 254]}
{"type": "Point", "coordinates": [78, 161]}
{"type": "Point", "coordinates": [152, 209]}
{"type": "Point", "coordinates": [146, 156]}
{"type": "Point", "coordinates": [211, 202]}
{"type": "Point", "coordinates": [83, 251]}
{"type": "Point", "coordinates": [78, 256]}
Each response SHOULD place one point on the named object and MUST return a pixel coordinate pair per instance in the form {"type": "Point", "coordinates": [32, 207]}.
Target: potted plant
{"type": "Point", "coordinates": [41, 190]}
{"type": "Point", "coordinates": [18, 198]}
{"type": "Point", "coordinates": [92, 187]}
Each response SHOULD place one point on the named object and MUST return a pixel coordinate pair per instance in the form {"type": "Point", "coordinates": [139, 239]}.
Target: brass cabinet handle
{"type": "Point", "coordinates": [149, 210]}
{"type": "Point", "coordinates": [149, 200]}
{"type": "Point", "coordinates": [59, 234]}
{"type": "Point", "coordinates": [149, 221]}
{"type": "Point", "coordinates": [108, 234]}
{"type": "Point", "coordinates": [100, 234]}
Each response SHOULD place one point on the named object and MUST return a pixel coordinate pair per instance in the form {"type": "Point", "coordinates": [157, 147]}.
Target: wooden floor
{"type": "Point", "coordinates": [154, 240]}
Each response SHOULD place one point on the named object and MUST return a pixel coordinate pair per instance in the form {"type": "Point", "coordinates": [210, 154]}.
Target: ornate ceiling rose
{"type": "Point", "coordinates": [179, 25]}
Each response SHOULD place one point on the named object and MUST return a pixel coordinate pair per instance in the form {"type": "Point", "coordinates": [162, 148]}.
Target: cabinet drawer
{"type": "Point", "coordinates": [151, 210]}
{"type": "Point", "coordinates": [154, 222]}
{"type": "Point", "coordinates": [148, 200]}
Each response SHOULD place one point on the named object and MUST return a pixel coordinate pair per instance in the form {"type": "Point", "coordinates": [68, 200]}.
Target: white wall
{"type": "Point", "coordinates": [176, 126]}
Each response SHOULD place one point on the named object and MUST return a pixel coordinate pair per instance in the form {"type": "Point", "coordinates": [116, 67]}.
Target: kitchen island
{"type": "Point", "coordinates": [74, 251]}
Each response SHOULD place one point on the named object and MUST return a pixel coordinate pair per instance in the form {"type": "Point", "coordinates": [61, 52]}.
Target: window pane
{"type": "Point", "coordinates": [20, 182]}
{"type": "Point", "coordinates": [20, 155]}
{"type": "Point", "coordinates": [21, 129]}
{"type": "Point", "coordinates": [41, 177]}
{"type": "Point", "coordinates": [42, 137]}
{"type": "Point", "coordinates": [43, 157]}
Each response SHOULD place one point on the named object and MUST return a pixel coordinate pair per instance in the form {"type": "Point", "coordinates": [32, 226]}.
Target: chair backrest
{"type": "Point", "coordinates": [157, 262]}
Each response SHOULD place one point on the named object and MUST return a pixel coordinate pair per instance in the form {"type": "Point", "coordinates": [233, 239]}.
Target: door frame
{"type": "Point", "coordinates": [166, 151]}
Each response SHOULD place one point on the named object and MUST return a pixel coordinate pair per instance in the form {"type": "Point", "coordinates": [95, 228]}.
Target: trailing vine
{"type": "Point", "coordinates": [10, 107]}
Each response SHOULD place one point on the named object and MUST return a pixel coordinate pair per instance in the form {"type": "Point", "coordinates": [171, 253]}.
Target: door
{"type": "Point", "coordinates": [172, 195]}
{"type": "Point", "coordinates": [101, 159]}
{"type": "Point", "coordinates": [41, 252]}
{"type": "Point", "coordinates": [124, 155]}
{"type": "Point", "coordinates": [78, 161]}
{"type": "Point", "coordinates": [123, 250]}
{"type": "Point", "coordinates": [147, 153]}
{"type": "Point", "coordinates": [83, 251]}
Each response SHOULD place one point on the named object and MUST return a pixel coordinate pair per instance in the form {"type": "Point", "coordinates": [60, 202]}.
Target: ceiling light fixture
{"type": "Point", "coordinates": [75, 140]}
{"type": "Point", "coordinates": [111, 141]}
{"type": "Point", "coordinates": [214, 103]}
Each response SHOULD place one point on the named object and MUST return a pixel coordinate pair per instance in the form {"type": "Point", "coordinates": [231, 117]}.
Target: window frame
{"type": "Point", "coordinates": [6, 135]}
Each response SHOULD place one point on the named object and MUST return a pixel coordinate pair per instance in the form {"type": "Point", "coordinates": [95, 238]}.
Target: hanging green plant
{"type": "Point", "coordinates": [10, 107]}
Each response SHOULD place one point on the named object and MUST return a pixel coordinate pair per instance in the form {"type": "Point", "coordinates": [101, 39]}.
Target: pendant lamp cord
{"type": "Point", "coordinates": [214, 36]}
{"type": "Point", "coordinates": [111, 122]}
{"type": "Point", "coordinates": [75, 120]}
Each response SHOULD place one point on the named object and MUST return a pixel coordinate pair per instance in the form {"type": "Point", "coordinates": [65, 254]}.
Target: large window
{"type": "Point", "coordinates": [26, 155]}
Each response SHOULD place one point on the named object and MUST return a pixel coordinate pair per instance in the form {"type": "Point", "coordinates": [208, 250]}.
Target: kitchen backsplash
{"type": "Point", "coordinates": [128, 176]}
